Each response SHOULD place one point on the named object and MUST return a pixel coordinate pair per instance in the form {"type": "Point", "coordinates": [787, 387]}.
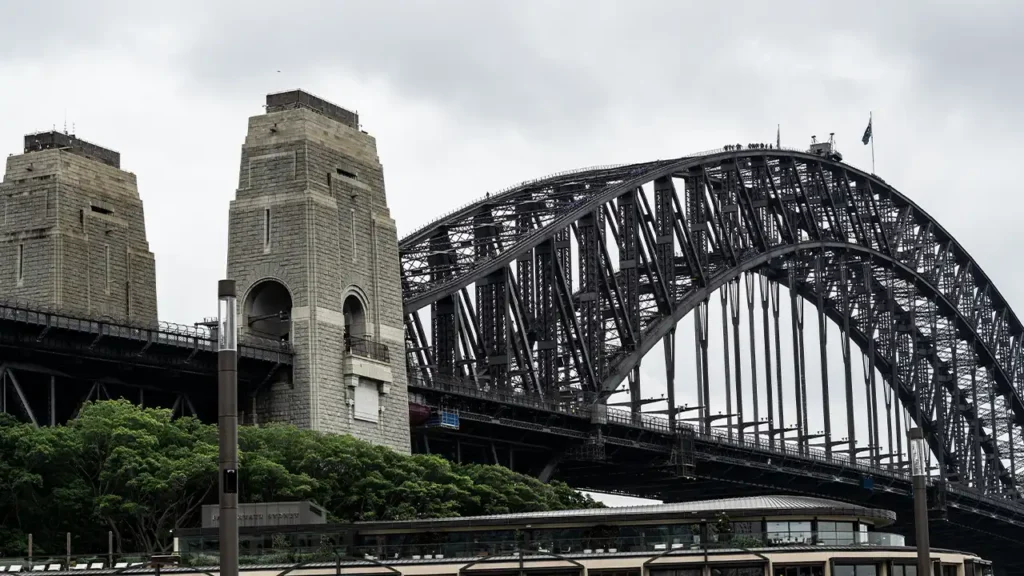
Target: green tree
{"type": "Point", "coordinates": [140, 474]}
{"type": "Point", "coordinates": [21, 482]}
{"type": "Point", "coordinates": [147, 473]}
{"type": "Point", "coordinates": [498, 490]}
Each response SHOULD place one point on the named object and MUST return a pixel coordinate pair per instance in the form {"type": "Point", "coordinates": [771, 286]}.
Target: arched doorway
{"type": "Point", "coordinates": [355, 317]}
{"type": "Point", "coordinates": [268, 310]}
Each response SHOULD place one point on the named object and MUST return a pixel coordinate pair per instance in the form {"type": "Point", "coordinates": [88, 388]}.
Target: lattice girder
{"type": "Point", "coordinates": [850, 241]}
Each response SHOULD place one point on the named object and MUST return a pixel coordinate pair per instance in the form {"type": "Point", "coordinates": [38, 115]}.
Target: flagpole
{"type": "Point", "coordinates": [871, 122]}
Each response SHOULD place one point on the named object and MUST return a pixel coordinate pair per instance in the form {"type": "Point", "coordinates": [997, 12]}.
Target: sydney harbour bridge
{"type": "Point", "coordinates": [744, 320]}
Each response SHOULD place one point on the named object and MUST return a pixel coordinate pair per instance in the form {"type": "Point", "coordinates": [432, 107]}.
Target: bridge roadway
{"type": "Point", "coordinates": [50, 362]}
{"type": "Point", "coordinates": [617, 451]}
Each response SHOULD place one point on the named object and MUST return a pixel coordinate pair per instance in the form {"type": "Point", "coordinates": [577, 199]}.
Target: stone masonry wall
{"type": "Point", "coordinates": [331, 235]}
{"type": "Point", "coordinates": [79, 228]}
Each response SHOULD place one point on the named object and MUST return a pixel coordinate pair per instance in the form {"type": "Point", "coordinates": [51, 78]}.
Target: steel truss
{"type": "Point", "coordinates": [45, 396]}
{"type": "Point", "coordinates": [576, 277]}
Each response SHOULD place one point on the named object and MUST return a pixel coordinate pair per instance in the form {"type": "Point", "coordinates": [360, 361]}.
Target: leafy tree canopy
{"type": "Point", "coordinates": [140, 474]}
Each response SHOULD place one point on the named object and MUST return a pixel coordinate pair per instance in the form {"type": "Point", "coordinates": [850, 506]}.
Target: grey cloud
{"type": "Point", "coordinates": [563, 70]}
{"type": "Point", "coordinates": [481, 59]}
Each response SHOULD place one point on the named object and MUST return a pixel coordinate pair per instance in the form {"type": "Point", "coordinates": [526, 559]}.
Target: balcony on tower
{"type": "Point", "coordinates": [367, 348]}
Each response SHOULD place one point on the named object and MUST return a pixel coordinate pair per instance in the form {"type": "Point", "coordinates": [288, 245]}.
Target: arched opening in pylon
{"type": "Point", "coordinates": [268, 310]}
{"type": "Point", "coordinates": [355, 317]}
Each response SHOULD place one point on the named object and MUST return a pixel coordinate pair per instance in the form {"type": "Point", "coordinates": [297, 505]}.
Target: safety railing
{"type": "Point", "coordinates": [519, 186]}
{"type": "Point", "coordinates": [584, 408]}
{"type": "Point", "coordinates": [654, 539]}
{"type": "Point", "coordinates": [367, 348]}
{"type": "Point", "coordinates": [267, 556]}
{"type": "Point", "coordinates": [556, 175]}
{"type": "Point", "coordinates": [73, 562]}
{"type": "Point", "coordinates": [168, 333]}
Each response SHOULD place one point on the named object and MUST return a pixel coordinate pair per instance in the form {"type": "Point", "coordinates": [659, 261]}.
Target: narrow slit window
{"type": "Point", "coordinates": [347, 173]}
{"type": "Point", "coordinates": [266, 229]}
{"type": "Point", "coordinates": [106, 268]}
{"type": "Point", "coordinates": [101, 210]}
{"type": "Point", "coordinates": [128, 286]}
{"type": "Point", "coordinates": [21, 262]}
{"type": "Point", "coordinates": [355, 249]}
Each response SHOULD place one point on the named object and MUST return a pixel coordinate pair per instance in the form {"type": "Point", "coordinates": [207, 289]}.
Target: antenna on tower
{"type": "Point", "coordinates": [65, 121]}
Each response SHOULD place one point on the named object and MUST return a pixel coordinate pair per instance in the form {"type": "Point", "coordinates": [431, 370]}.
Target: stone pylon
{"type": "Point", "coordinates": [74, 235]}
{"type": "Point", "coordinates": [314, 251]}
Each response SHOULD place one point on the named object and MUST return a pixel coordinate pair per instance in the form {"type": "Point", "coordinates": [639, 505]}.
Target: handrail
{"type": "Point", "coordinates": [564, 173]}
{"type": "Point", "coordinates": [367, 348]}
{"type": "Point", "coordinates": [503, 191]}
{"type": "Point", "coordinates": [657, 423]}
{"type": "Point", "coordinates": [54, 317]}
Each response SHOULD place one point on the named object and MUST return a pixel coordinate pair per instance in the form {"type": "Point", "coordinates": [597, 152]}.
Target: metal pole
{"type": "Point", "coordinates": [918, 457]}
{"type": "Point", "coordinates": [871, 122]}
{"type": "Point", "coordinates": [227, 421]}
{"type": "Point", "coordinates": [110, 549]}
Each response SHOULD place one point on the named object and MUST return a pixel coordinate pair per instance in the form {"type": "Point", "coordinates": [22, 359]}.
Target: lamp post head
{"type": "Point", "coordinates": [227, 316]}
{"type": "Point", "coordinates": [226, 288]}
{"type": "Point", "coordinates": [918, 452]}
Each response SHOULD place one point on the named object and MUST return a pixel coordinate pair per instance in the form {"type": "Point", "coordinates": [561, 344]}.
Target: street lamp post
{"type": "Point", "coordinates": [919, 469]}
{"type": "Point", "coordinates": [227, 424]}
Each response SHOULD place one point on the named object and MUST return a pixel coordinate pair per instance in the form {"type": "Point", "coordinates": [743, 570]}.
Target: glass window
{"type": "Point", "coordinates": [746, 527]}
{"type": "Point", "coordinates": [949, 570]}
{"type": "Point", "coordinates": [855, 570]}
{"type": "Point", "coordinates": [904, 570]}
{"type": "Point", "coordinates": [789, 532]}
{"type": "Point", "coordinates": [800, 570]}
{"type": "Point", "coordinates": [836, 533]}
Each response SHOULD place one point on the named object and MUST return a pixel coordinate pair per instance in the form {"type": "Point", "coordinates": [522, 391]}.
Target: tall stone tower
{"type": "Point", "coordinates": [73, 235]}
{"type": "Point", "coordinates": [314, 251]}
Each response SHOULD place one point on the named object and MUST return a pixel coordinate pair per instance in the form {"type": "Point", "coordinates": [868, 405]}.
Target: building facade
{"type": "Point", "coordinates": [314, 251]}
{"type": "Point", "coordinates": [73, 235]}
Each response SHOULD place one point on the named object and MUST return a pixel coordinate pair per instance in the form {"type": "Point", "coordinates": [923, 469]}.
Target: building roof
{"type": "Point", "coordinates": [736, 507]}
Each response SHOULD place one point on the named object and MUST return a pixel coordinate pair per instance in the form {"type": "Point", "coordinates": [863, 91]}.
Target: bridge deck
{"type": "Point", "coordinates": [50, 362]}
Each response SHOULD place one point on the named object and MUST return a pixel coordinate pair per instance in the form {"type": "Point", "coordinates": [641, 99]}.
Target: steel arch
{"type": "Point", "coordinates": [752, 210]}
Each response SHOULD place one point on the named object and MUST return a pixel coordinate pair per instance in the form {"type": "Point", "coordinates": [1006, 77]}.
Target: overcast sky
{"type": "Point", "coordinates": [467, 97]}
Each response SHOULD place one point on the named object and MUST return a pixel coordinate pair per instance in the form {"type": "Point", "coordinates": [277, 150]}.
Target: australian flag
{"type": "Point", "coordinates": [867, 134]}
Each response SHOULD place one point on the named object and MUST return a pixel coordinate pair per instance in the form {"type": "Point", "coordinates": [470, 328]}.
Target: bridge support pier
{"type": "Point", "coordinates": [314, 251]}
